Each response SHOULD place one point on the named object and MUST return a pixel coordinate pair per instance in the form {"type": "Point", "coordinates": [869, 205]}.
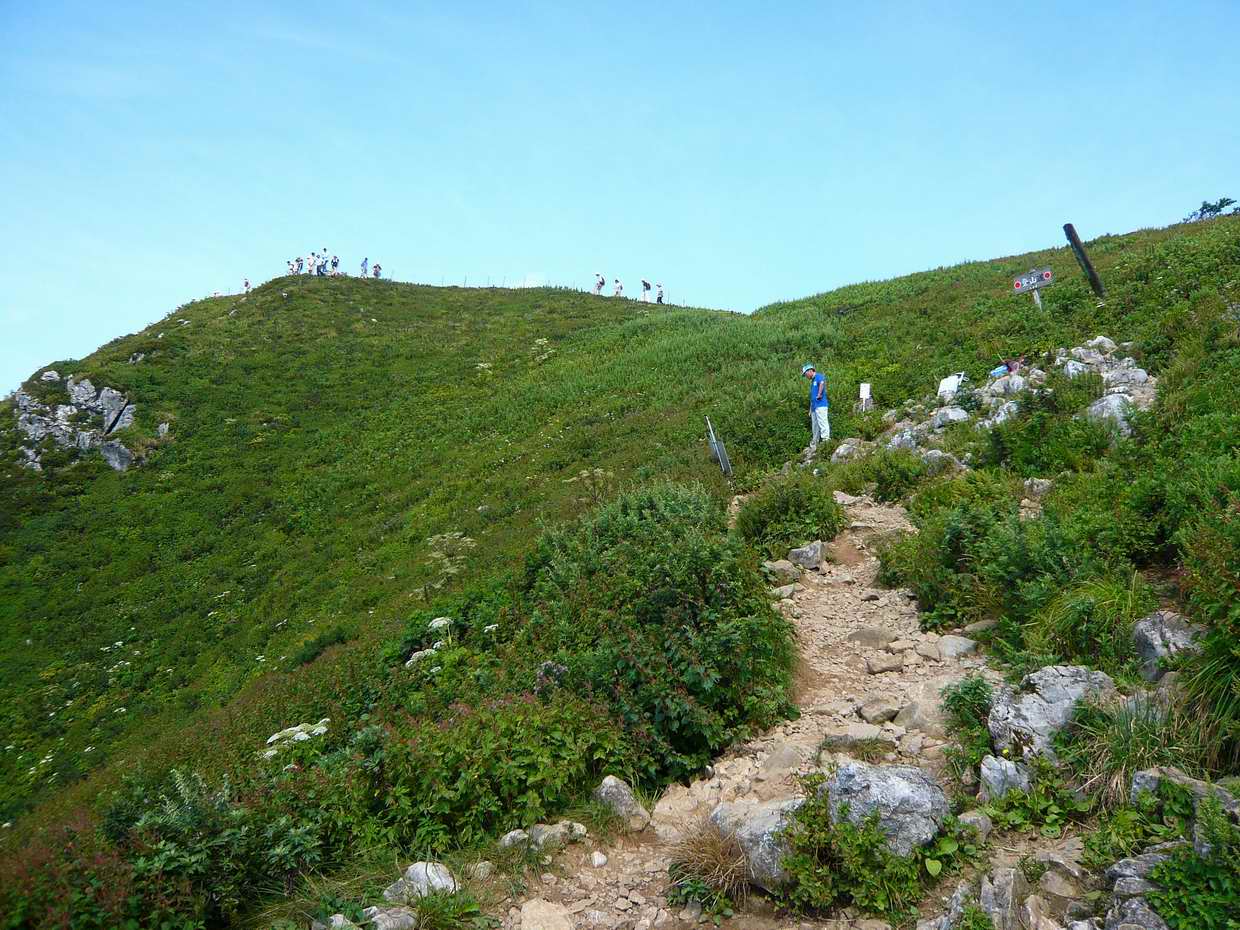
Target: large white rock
{"type": "Point", "coordinates": [421, 879]}
{"type": "Point", "coordinates": [808, 556]}
{"type": "Point", "coordinates": [909, 803]}
{"type": "Point", "coordinates": [949, 415]}
{"type": "Point", "coordinates": [1000, 776]}
{"type": "Point", "coordinates": [1111, 411]}
{"type": "Point", "coordinates": [1025, 721]}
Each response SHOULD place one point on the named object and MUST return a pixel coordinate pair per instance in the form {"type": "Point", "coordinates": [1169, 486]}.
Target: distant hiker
{"type": "Point", "coordinates": [645, 291]}
{"type": "Point", "coordinates": [365, 262]}
{"type": "Point", "coordinates": [299, 260]}
{"type": "Point", "coordinates": [290, 266]}
{"type": "Point", "coordinates": [335, 264]}
{"type": "Point", "coordinates": [599, 283]}
{"type": "Point", "coordinates": [378, 269]}
{"type": "Point", "coordinates": [619, 291]}
{"type": "Point", "coordinates": [247, 285]}
{"type": "Point", "coordinates": [659, 297]}
{"type": "Point", "coordinates": [820, 427]}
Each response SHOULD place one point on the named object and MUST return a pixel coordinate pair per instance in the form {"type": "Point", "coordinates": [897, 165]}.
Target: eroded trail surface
{"type": "Point", "coordinates": [868, 685]}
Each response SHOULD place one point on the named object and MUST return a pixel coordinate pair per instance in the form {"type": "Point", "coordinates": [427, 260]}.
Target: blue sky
{"type": "Point", "coordinates": [740, 153]}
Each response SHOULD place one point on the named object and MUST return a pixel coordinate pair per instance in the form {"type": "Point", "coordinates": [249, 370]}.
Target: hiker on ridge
{"type": "Point", "coordinates": [659, 298]}
{"type": "Point", "coordinates": [619, 292]}
{"type": "Point", "coordinates": [365, 264]}
{"type": "Point", "coordinates": [598, 284]}
{"type": "Point", "coordinates": [820, 427]}
{"type": "Point", "coordinates": [645, 291]}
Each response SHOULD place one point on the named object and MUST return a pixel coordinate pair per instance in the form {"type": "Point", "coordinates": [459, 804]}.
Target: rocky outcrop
{"type": "Point", "coordinates": [82, 424]}
{"type": "Point", "coordinates": [1160, 636]}
{"type": "Point", "coordinates": [909, 803]}
{"type": "Point", "coordinates": [1025, 721]}
{"type": "Point", "coordinates": [1001, 895]}
{"type": "Point", "coordinates": [809, 556]}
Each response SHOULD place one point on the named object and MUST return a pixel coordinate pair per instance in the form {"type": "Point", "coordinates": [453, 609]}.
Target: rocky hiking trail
{"type": "Point", "coordinates": [868, 685]}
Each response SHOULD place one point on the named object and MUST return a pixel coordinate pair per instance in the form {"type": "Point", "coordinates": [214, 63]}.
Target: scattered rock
{"type": "Point", "coordinates": [910, 804]}
{"type": "Point", "coordinates": [558, 834]}
{"type": "Point", "coordinates": [618, 797]}
{"type": "Point", "coordinates": [598, 859]}
{"type": "Point", "coordinates": [1025, 721]}
{"type": "Point", "coordinates": [390, 918]}
{"type": "Point", "coordinates": [953, 647]}
{"type": "Point", "coordinates": [854, 735]}
{"type": "Point", "coordinates": [758, 829]}
{"type": "Point", "coordinates": [999, 776]}
{"type": "Point", "coordinates": [877, 709]}
{"type": "Point", "coordinates": [1133, 914]}
{"type": "Point", "coordinates": [1111, 411]}
{"type": "Point", "coordinates": [929, 651]}
{"type": "Point", "coordinates": [949, 415]}
{"type": "Point", "coordinates": [979, 821]}
{"type": "Point", "coordinates": [116, 455]}
{"type": "Point", "coordinates": [783, 591]}
{"type": "Point", "coordinates": [419, 880]}
{"type": "Point", "coordinates": [1037, 488]}
{"type": "Point", "coordinates": [1001, 895]}
{"type": "Point", "coordinates": [540, 914]}
{"type": "Point", "coordinates": [782, 570]}
{"type": "Point", "coordinates": [851, 449]}
{"type": "Point", "coordinates": [876, 665]}
{"type": "Point", "coordinates": [514, 838]}
{"type": "Point", "coordinates": [808, 556]}
{"type": "Point", "coordinates": [872, 637]}
{"type": "Point", "coordinates": [1161, 635]}
{"type": "Point", "coordinates": [482, 870]}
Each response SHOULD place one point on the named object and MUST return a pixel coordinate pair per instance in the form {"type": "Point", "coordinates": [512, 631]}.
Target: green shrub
{"type": "Point", "coordinates": [966, 704]}
{"type": "Point", "coordinates": [1092, 620]}
{"type": "Point", "coordinates": [890, 475]}
{"type": "Point", "coordinates": [831, 866]}
{"type": "Point", "coordinates": [1049, 805]}
{"type": "Point", "coordinates": [313, 648]}
{"type": "Point", "coordinates": [649, 605]}
{"type": "Point", "coordinates": [789, 511]}
{"type": "Point", "coordinates": [1144, 821]}
{"type": "Point", "coordinates": [1202, 892]}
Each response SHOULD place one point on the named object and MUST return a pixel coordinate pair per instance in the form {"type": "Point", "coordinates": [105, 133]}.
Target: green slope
{"type": "Point", "coordinates": [324, 430]}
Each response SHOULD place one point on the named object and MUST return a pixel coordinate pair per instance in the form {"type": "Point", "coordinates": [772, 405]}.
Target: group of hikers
{"type": "Point", "coordinates": [318, 263]}
{"type": "Point", "coordinates": [600, 282]}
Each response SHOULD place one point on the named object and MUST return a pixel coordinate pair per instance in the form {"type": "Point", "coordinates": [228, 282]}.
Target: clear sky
{"type": "Point", "coordinates": [152, 153]}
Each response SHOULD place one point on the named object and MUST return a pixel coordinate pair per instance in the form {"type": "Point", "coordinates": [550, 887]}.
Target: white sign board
{"type": "Point", "coordinates": [951, 384]}
{"type": "Point", "coordinates": [865, 390]}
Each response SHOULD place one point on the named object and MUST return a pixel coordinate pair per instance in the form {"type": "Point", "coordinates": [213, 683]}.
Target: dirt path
{"type": "Point", "coordinates": [847, 629]}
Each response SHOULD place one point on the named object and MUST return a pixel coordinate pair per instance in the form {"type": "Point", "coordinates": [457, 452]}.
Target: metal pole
{"type": "Point", "coordinates": [1037, 298]}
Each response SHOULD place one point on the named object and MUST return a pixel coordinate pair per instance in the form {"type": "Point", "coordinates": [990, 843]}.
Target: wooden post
{"type": "Point", "coordinates": [1037, 298]}
{"type": "Point", "coordinates": [1083, 258]}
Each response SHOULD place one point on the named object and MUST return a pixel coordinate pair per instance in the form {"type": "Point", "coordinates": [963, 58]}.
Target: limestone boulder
{"type": "Point", "coordinates": [758, 829]}
{"type": "Point", "coordinates": [1161, 636]}
{"type": "Point", "coordinates": [1025, 721]}
{"type": "Point", "coordinates": [909, 803]}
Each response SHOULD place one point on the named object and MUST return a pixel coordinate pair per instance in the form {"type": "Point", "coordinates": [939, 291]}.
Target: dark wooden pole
{"type": "Point", "coordinates": [1086, 265]}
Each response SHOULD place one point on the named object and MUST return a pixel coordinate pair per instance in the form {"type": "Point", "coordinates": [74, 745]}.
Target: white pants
{"type": "Point", "coordinates": [820, 427]}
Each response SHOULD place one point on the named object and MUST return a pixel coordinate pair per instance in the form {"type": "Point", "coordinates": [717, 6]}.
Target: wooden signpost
{"type": "Point", "coordinates": [1083, 258]}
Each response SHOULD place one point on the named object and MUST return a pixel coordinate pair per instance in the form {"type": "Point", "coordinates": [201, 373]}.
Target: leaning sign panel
{"type": "Point", "coordinates": [1031, 281]}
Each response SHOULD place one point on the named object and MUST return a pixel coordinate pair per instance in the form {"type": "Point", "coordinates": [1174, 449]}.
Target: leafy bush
{"type": "Point", "coordinates": [966, 704]}
{"type": "Point", "coordinates": [1048, 806]}
{"type": "Point", "coordinates": [831, 865]}
{"type": "Point", "coordinates": [313, 648]}
{"type": "Point", "coordinates": [890, 475]}
{"type": "Point", "coordinates": [649, 603]}
{"type": "Point", "coordinates": [1092, 620]}
{"type": "Point", "coordinates": [1202, 892]}
{"type": "Point", "coordinates": [789, 511]}
{"type": "Point", "coordinates": [1144, 821]}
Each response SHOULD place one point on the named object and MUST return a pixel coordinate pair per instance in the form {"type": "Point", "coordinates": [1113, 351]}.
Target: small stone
{"type": "Point", "coordinates": [598, 859]}
{"type": "Point", "coordinates": [877, 665]}
{"type": "Point", "coordinates": [877, 710]}
{"type": "Point", "coordinates": [929, 651]}
{"type": "Point", "coordinates": [539, 914]}
{"type": "Point", "coordinates": [872, 637]}
{"type": "Point", "coordinates": [900, 645]}
{"type": "Point", "coordinates": [953, 647]}
{"type": "Point", "coordinates": [979, 821]}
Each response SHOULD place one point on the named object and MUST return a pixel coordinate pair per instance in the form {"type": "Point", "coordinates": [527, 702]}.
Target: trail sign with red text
{"type": "Point", "coordinates": [1031, 281]}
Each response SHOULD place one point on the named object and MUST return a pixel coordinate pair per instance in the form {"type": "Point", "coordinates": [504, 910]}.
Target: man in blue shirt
{"type": "Point", "coordinates": [820, 427]}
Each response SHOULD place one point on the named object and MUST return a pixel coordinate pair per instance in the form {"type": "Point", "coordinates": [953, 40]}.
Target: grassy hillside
{"type": "Point", "coordinates": [277, 557]}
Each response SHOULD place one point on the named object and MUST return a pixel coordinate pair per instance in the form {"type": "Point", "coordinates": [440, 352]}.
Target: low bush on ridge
{"type": "Point", "coordinates": [789, 511]}
{"type": "Point", "coordinates": [636, 640]}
